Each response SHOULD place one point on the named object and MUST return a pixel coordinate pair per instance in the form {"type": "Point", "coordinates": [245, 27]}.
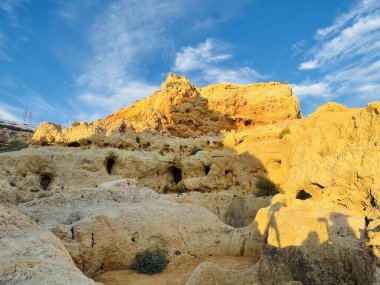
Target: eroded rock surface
{"type": "Point", "coordinates": [104, 228]}
{"type": "Point", "coordinates": [32, 255]}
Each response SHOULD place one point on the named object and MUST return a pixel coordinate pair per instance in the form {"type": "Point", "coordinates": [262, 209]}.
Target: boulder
{"type": "Point", "coordinates": [104, 228]}
{"type": "Point", "coordinates": [32, 255]}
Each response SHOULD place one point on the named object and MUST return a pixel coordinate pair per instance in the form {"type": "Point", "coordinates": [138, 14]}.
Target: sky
{"type": "Point", "coordinates": [84, 59]}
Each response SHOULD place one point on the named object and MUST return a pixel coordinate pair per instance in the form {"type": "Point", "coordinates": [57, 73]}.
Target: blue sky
{"type": "Point", "coordinates": [97, 56]}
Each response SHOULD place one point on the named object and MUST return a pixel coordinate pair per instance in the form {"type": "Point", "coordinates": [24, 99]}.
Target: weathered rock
{"type": "Point", "coordinates": [182, 110]}
{"type": "Point", "coordinates": [31, 255]}
{"type": "Point", "coordinates": [104, 228]}
{"type": "Point", "coordinates": [37, 172]}
{"type": "Point", "coordinates": [236, 211]}
{"type": "Point", "coordinates": [253, 104]}
{"type": "Point", "coordinates": [316, 243]}
{"type": "Point", "coordinates": [334, 155]}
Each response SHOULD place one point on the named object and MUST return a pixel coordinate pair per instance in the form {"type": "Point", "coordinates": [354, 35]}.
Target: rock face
{"type": "Point", "coordinates": [104, 228]}
{"type": "Point", "coordinates": [183, 110]}
{"type": "Point", "coordinates": [31, 255]}
{"type": "Point", "coordinates": [203, 153]}
{"type": "Point", "coordinates": [253, 104]}
{"type": "Point", "coordinates": [316, 243]}
{"type": "Point", "coordinates": [36, 172]}
{"type": "Point", "coordinates": [334, 155]}
{"type": "Point", "coordinates": [304, 243]}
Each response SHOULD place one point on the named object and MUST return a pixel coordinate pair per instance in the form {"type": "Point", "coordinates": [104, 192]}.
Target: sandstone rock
{"type": "Point", "coordinates": [236, 211]}
{"type": "Point", "coordinates": [37, 172]}
{"type": "Point", "coordinates": [104, 228]}
{"type": "Point", "coordinates": [182, 110]}
{"type": "Point", "coordinates": [316, 243]}
{"type": "Point", "coordinates": [332, 155]}
{"type": "Point", "coordinates": [31, 255]}
{"type": "Point", "coordinates": [253, 104]}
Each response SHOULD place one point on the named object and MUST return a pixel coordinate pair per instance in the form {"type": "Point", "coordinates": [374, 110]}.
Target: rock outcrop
{"type": "Point", "coordinates": [32, 255]}
{"type": "Point", "coordinates": [334, 155]}
{"type": "Point", "coordinates": [195, 161]}
{"type": "Point", "coordinates": [183, 110]}
{"type": "Point", "coordinates": [104, 228]}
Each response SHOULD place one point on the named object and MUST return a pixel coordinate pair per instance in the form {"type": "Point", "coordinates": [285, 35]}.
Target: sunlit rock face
{"type": "Point", "coordinates": [184, 110]}
{"type": "Point", "coordinates": [196, 161]}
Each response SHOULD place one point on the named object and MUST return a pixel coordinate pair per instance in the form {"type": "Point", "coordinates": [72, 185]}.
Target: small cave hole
{"type": "Point", "coordinates": [177, 252]}
{"type": "Point", "coordinates": [74, 144]}
{"type": "Point", "coordinates": [133, 239]}
{"type": "Point", "coordinates": [303, 195]}
{"type": "Point", "coordinates": [226, 172]}
{"type": "Point", "coordinates": [177, 174]}
{"type": "Point", "coordinates": [12, 184]}
{"type": "Point", "coordinates": [110, 163]}
{"type": "Point", "coordinates": [248, 122]}
{"type": "Point", "coordinates": [45, 181]}
{"type": "Point", "coordinates": [207, 169]}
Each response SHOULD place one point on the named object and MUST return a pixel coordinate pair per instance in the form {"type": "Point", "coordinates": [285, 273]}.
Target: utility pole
{"type": "Point", "coordinates": [27, 117]}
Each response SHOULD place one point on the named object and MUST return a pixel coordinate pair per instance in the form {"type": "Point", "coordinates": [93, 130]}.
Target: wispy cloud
{"type": "Point", "coordinates": [126, 38]}
{"type": "Point", "coordinates": [10, 113]}
{"type": "Point", "coordinates": [347, 55]}
{"type": "Point", "coordinates": [210, 62]}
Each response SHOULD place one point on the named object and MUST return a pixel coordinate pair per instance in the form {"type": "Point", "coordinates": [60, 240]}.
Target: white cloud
{"type": "Point", "coordinates": [347, 54]}
{"type": "Point", "coordinates": [127, 37]}
{"type": "Point", "coordinates": [208, 62]}
{"type": "Point", "coordinates": [311, 64]}
{"type": "Point", "coordinates": [319, 89]}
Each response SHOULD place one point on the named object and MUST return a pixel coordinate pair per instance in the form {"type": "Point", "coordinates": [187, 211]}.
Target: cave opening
{"type": "Point", "coordinates": [177, 174]}
{"type": "Point", "coordinates": [303, 195]}
{"type": "Point", "coordinates": [45, 181]}
{"type": "Point", "coordinates": [110, 163]}
{"type": "Point", "coordinates": [73, 144]}
{"type": "Point", "coordinates": [207, 169]}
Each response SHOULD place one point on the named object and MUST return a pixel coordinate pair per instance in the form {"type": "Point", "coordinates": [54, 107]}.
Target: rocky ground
{"type": "Point", "coordinates": [206, 174]}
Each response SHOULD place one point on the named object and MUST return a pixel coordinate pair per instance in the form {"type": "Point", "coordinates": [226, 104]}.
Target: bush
{"type": "Point", "coordinates": [151, 261]}
{"type": "Point", "coordinates": [194, 150]}
{"type": "Point", "coordinates": [15, 145]}
{"type": "Point", "coordinates": [266, 187]}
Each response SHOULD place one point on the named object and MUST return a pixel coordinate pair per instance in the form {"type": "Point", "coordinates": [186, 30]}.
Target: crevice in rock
{"type": "Point", "coordinates": [92, 240]}
{"type": "Point", "coordinates": [303, 195]}
{"type": "Point", "coordinates": [72, 233]}
{"type": "Point", "coordinates": [318, 185]}
{"type": "Point", "coordinates": [242, 249]}
{"type": "Point", "coordinates": [207, 170]}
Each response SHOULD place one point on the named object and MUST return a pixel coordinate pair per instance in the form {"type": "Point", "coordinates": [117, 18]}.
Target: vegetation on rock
{"type": "Point", "coordinates": [151, 261]}
{"type": "Point", "coordinates": [14, 145]}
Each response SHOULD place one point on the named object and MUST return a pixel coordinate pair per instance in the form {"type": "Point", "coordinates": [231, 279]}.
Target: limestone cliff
{"type": "Point", "coordinates": [184, 110]}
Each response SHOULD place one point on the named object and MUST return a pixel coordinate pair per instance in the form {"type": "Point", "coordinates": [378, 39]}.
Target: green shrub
{"type": "Point", "coordinates": [266, 187]}
{"type": "Point", "coordinates": [283, 133]}
{"type": "Point", "coordinates": [194, 150]}
{"type": "Point", "coordinates": [151, 261]}
{"type": "Point", "coordinates": [15, 145]}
